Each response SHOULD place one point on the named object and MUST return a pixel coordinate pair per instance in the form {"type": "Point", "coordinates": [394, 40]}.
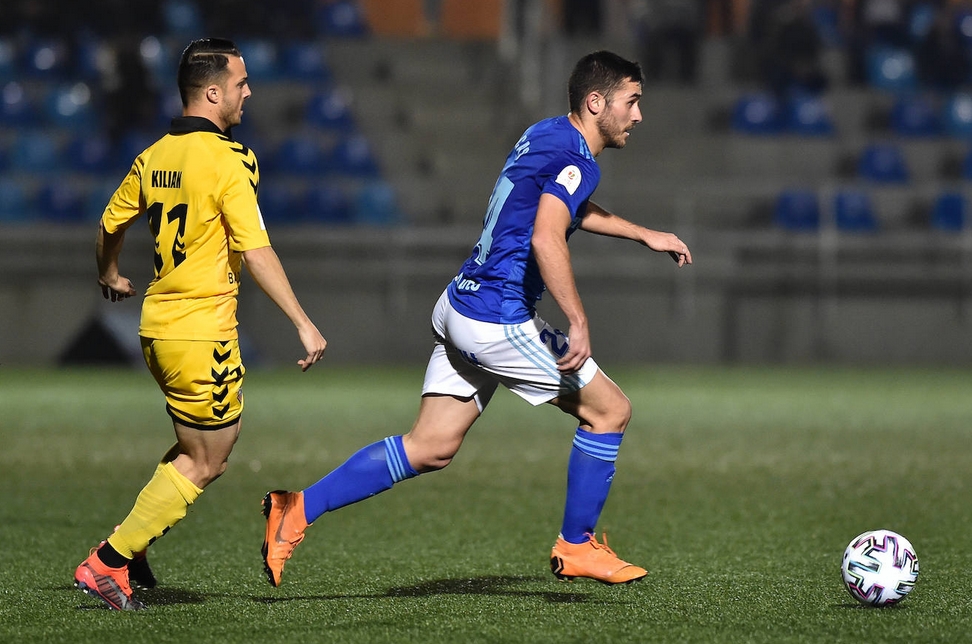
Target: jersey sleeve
{"type": "Point", "coordinates": [125, 204]}
{"type": "Point", "coordinates": [572, 179]}
{"type": "Point", "coordinates": [239, 205]}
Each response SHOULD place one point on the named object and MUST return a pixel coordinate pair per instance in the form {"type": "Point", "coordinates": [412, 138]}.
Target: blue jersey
{"type": "Point", "coordinates": [500, 282]}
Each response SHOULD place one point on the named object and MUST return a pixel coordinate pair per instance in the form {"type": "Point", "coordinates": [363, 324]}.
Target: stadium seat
{"type": "Point", "coordinates": [169, 107]}
{"type": "Point", "coordinates": [891, 69]}
{"type": "Point", "coordinates": [757, 113]}
{"type": "Point", "coordinates": [47, 59]}
{"type": "Point", "coordinates": [131, 145]}
{"type": "Point", "coordinates": [299, 155]}
{"type": "Point", "coordinates": [340, 18]}
{"type": "Point", "coordinates": [61, 201]}
{"type": "Point", "coordinates": [98, 196]}
{"type": "Point", "coordinates": [8, 59]}
{"type": "Point", "coordinates": [797, 210]}
{"type": "Point", "coordinates": [15, 203]}
{"type": "Point", "coordinates": [262, 59]}
{"type": "Point", "coordinates": [330, 109]}
{"type": "Point", "coordinates": [305, 61]}
{"type": "Point", "coordinates": [883, 163]}
{"type": "Point", "coordinates": [182, 19]}
{"type": "Point", "coordinates": [853, 211]}
{"type": "Point", "coordinates": [327, 204]}
{"type": "Point", "coordinates": [375, 203]}
{"type": "Point", "coordinates": [921, 19]}
{"type": "Point", "coordinates": [827, 21]}
{"type": "Point", "coordinates": [948, 212]}
{"type": "Point", "coordinates": [160, 60]}
{"type": "Point", "coordinates": [35, 151]}
{"type": "Point", "coordinates": [958, 115]}
{"type": "Point", "coordinates": [71, 107]}
{"type": "Point", "coordinates": [915, 116]}
{"type": "Point", "coordinates": [89, 153]}
{"type": "Point", "coordinates": [16, 108]}
{"type": "Point", "coordinates": [352, 156]}
{"type": "Point", "coordinates": [808, 115]}
{"type": "Point", "coordinates": [278, 203]}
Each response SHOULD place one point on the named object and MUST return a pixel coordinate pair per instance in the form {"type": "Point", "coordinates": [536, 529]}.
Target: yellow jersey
{"type": "Point", "coordinates": [198, 189]}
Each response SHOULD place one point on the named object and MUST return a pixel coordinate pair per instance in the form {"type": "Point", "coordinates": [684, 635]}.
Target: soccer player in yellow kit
{"type": "Point", "coordinates": [198, 189]}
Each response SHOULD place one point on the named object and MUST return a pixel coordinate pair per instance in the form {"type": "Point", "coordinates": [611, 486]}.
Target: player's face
{"type": "Point", "coordinates": [620, 116]}
{"type": "Point", "coordinates": [235, 92]}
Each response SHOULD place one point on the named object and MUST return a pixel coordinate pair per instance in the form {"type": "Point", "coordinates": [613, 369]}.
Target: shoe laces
{"type": "Point", "coordinates": [601, 546]}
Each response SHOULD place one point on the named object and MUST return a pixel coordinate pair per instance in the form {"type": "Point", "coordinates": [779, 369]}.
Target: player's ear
{"type": "Point", "coordinates": [213, 93]}
{"type": "Point", "coordinates": [595, 103]}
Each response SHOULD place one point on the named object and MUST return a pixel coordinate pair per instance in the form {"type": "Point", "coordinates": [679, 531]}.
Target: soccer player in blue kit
{"type": "Point", "coordinates": [487, 331]}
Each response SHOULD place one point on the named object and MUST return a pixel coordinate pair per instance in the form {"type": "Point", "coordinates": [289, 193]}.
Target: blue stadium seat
{"type": "Point", "coordinates": [915, 116]}
{"type": "Point", "coordinates": [305, 61]}
{"type": "Point", "coordinates": [262, 59]}
{"type": "Point", "coordinates": [341, 18]}
{"type": "Point", "coordinates": [352, 156]}
{"type": "Point", "coordinates": [160, 59]}
{"type": "Point", "coordinates": [16, 108]}
{"type": "Point", "coordinates": [883, 163]}
{"type": "Point", "coordinates": [131, 145]}
{"type": "Point", "coordinates": [958, 115]}
{"type": "Point", "coordinates": [757, 113]}
{"type": "Point", "coordinates": [299, 155]}
{"type": "Point", "coordinates": [948, 212]}
{"type": "Point", "coordinates": [797, 210]}
{"type": "Point", "coordinates": [98, 197]}
{"type": "Point", "coordinates": [35, 151]}
{"type": "Point", "coordinates": [182, 18]}
{"type": "Point", "coordinates": [8, 59]}
{"type": "Point", "coordinates": [891, 69]}
{"type": "Point", "coordinates": [921, 19]}
{"type": "Point", "coordinates": [327, 204]}
{"type": "Point", "coordinates": [827, 20]}
{"type": "Point", "coordinates": [89, 153]}
{"type": "Point", "coordinates": [808, 115]}
{"type": "Point", "coordinates": [278, 203]}
{"type": "Point", "coordinates": [330, 109]}
{"type": "Point", "coordinates": [71, 106]}
{"type": "Point", "coordinates": [15, 203]}
{"type": "Point", "coordinates": [375, 203]}
{"type": "Point", "coordinates": [61, 201]}
{"type": "Point", "coordinates": [47, 59]}
{"type": "Point", "coordinates": [853, 211]}
{"type": "Point", "coordinates": [169, 107]}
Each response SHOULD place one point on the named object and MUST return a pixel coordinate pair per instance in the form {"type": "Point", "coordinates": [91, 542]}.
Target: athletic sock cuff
{"type": "Point", "coordinates": [398, 466]}
{"type": "Point", "coordinates": [603, 447]}
{"type": "Point", "coordinates": [186, 488]}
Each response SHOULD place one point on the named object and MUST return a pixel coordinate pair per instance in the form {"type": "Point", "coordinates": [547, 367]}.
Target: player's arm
{"type": "Point", "coordinates": [550, 250]}
{"type": "Point", "coordinates": [107, 250]}
{"type": "Point", "coordinates": [264, 265]}
{"type": "Point", "coordinates": [601, 222]}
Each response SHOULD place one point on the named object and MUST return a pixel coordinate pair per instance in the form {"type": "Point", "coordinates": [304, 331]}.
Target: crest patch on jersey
{"type": "Point", "coordinates": [570, 178]}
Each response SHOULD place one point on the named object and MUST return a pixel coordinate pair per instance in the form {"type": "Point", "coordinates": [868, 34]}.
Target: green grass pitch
{"type": "Point", "coordinates": [738, 489]}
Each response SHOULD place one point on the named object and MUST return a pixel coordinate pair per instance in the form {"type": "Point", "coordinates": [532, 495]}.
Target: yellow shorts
{"type": "Point", "coordinates": [202, 380]}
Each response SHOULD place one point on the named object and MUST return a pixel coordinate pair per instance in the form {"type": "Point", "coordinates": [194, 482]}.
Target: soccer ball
{"type": "Point", "coordinates": [880, 568]}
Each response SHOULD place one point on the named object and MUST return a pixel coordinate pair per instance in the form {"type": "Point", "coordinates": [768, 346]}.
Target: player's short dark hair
{"type": "Point", "coordinates": [603, 72]}
{"type": "Point", "coordinates": [204, 62]}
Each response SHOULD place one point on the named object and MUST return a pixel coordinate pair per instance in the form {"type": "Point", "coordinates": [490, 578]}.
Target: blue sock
{"type": "Point", "coordinates": [589, 475]}
{"type": "Point", "coordinates": [367, 472]}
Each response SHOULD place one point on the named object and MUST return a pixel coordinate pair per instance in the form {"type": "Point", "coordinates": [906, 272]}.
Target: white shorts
{"type": "Point", "coordinates": [471, 357]}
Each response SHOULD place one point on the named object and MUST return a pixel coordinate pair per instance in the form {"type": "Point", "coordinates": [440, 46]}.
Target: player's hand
{"type": "Point", "coordinates": [578, 350]}
{"type": "Point", "coordinates": [314, 344]}
{"type": "Point", "coordinates": [116, 289]}
{"type": "Point", "coordinates": [669, 243]}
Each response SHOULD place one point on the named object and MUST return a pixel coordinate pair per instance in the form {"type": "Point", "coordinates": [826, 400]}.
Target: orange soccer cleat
{"type": "Point", "coordinates": [285, 530]}
{"type": "Point", "coordinates": [593, 560]}
{"type": "Point", "coordinates": [110, 585]}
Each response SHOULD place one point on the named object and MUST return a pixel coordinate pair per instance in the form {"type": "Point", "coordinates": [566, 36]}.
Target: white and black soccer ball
{"type": "Point", "coordinates": [880, 568]}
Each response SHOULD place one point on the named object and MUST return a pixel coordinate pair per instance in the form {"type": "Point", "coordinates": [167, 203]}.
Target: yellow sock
{"type": "Point", "coordinates": [161, 504]}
